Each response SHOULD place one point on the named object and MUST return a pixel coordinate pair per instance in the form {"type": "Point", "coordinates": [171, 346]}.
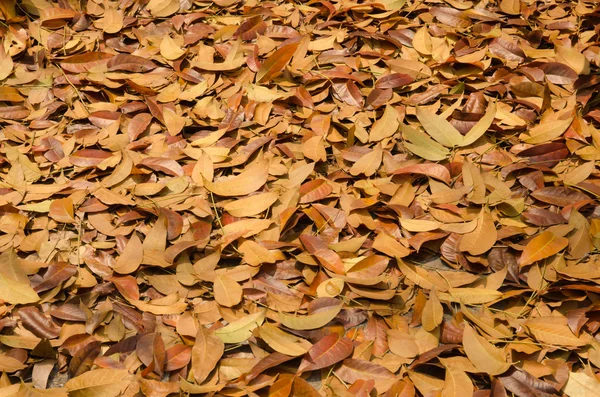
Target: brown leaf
{"type": "Point", "coordinates": [275, 63]}
{"type": "Point", "coordinates": [83, 62]}
{"type": "Point", "coordinates": [37, 323]}
{"type": "Point", "coordinates": [206, 353]}
{"type": "Point", "coordinates": [130, 63]}
{"type": "Point", "coordinates": [328, 351]}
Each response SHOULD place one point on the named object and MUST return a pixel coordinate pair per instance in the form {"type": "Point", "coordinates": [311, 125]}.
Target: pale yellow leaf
{"type": "Point", "coordinates": [252, 205]}
{"type": "Point", "coordinates": [103, 382]}
{"type": "Point", "coordinates": [241, 329]}
{"type": "Point", "coordinates": [439, 128]}
{"type": "Point", "coordinates": [581, 385]}
{"type": "Point", "coordinates": [131, 257]}
{"type": "Point", "coordinates": [283, 342]}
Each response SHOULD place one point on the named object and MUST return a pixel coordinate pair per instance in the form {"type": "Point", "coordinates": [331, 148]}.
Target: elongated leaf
{"type": "Point", "coordinates": [275, 63]}
{"type": "Point", "coordinates": [479, 129]}
{"type": "Point", "coordinates": [99, 382]}
{"type": "Point", "coordinates": [541, 247]}
{"type": "Point", "coordinates": [240, 330]}
{"type": "Point", "coordinates": [206, 353]}
{"type": "Point", "coordinates": [247, 182]}
{"type": "Point", "coordinates": [328, 351]}
{"type": "Point", "coordinates": [311, 321]}
{"type": "Point", "coordinates": [15, 287]}
{"type": "Point", "coordinates": [439, 129]}
{"type": "Point", "coordinates": [484, 356]}
{"type": "Point", "coordinates": [386, 126]}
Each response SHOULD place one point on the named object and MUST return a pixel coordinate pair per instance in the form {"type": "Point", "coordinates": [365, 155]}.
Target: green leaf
{"type": "Point", "coordinates": [439, 128]}
{"type": "Point", "coordinates": [421, 145]}
{"type": "Point", "coordinates": [240, 330]}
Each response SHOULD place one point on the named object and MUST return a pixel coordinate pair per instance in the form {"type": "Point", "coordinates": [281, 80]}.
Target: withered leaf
{"type": "Point", "coordinates": [400, 197]}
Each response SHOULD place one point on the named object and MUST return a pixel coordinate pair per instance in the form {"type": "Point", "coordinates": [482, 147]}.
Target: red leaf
{"type": "Point", "coordinates": [328, 351]}
{"type": "Point", "coordinates": [177, 356]}
{"type": "Point", "coordinates": [168, 166]}
{"type": "Point", "coordinates": [37, 323]}
{"type": "Point", "coordinates": [394, 80]}
{"type": "Point", "coordinates": [83, 62]}
{"type": "Point", "coordinates": [275, 63]}
{"type": "Point", "coordinates": [130, 63]}
{"type": "Point", "coordinates": [314, 190]}
{"type": "Point", "coordinates": [89, 157]}
{"type": "Point", "coordinates": [559, 195]}
{"type": "Point", "coordinates": [436, 171]}
{"type": "Point", "coordinates": [348, 92]}
{"type": "Point", "coordinates": [326, 257]}
{"type": "Point", "coordinates": [251, 28]}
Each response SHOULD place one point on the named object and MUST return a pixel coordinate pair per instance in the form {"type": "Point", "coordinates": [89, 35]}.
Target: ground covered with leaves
{"type": "Point", "coordinates": [299, 198]}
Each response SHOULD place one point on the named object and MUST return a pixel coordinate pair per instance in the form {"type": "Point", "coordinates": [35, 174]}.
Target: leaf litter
{"type": "Point", "coordinates": [317, 198]}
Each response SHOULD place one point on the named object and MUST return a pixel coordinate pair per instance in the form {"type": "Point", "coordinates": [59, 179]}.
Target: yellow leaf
{"type": "Point", "coordinates": [541, 247]}
{"type": "Point", "coordinates": [573, 58]}
{"type": "Point", "coordinates": [283, 342]}
{"type": "Point", "coordinates": [255, 254]}
{"type": "Point", "coordinates": [581, 385]}
{"type": "Point", "coordinates": [482, 238]}
{"type": "Point", "coordinates": [14, 284]}
{"type": "Point", "coordinates": [479, 129]}
{"type": "Point", "coordinates": [421, 145]}
{"type": "Point", "coordinates": [227, 292]}
{"type": "Point", "coordinates": [170, 49]}
{"type": "Point", "coordinates": [250, 180]}
{"type": "Point", "coordinates": [173, 122]}
{"type": "Point", "coordinates": [547, 130]}
{"type": "Point", "coordinates": [311, 321]}
{"type": "Point", "coordinates": [10, 364]}
{"type": "Point", "coordinates": [553, 330]}
{"type": "Point", "coordinates": [390, 246]}
{"type": "Point", "coordinates": [439, 128]}
{"type": "Point", "coordinates": [422, 41]}
{"type": "Point", "coordinates": [369, 163]}
{"type": "Point", "coordinates": [241, 329]}
{"type": "Point", "coordinates": [131, 257]}
{"type": "Point", "coordinates": [6, 64]}
{"type": "Point", "coordinates": [386, 126]}
{"type": "Point", "coordinates": [314, 148]}
{"type": "Point", "coordinates": [484, 356]}
{"type": "Point", "coordinates": [113, 20]}
{"type": "Point", "coordinates": [206, 353]}
{"type": "Point", "coordinates": [433, 312]}
{"type": "Point", "coordinates": [163, 8]}
{"type": "Point", "coordinates": [419, 225]}
{"type": "Point", "coordinates": [203, 170]}
{"type": "Point", "coordinates": [579, 174]}
{"type": "Point", "coordinates": [457, 383]}
{"type": "Point", "coordinates": [511, 7]}
{"type": "Point", "coordinates": [252, 205]}
{"type": "Point", "coordinates": [471, 296]}
{"type": "Point", "coordinates": [102, 382]}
